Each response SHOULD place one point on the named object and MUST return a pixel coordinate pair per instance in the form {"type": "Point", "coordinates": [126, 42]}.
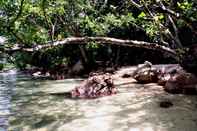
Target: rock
{"type": "Point", "coordinates": [165, 72]}
{"type": "Point", "coordinates": [126, 75]}
{"type": "Point", "coordinates": [162, 79]}
{"type": "Point", "coordinates": [166, 104]}
{"type": "Point", "coordinates": [95, 86]}
{"type": "Point", "coordinates": [145, 73]}
{"type": "Point", "coordinates": [37, 74]}
{"type": "Point", "coordinates": [182, 82]}
{"type": "Point", "coordinates": [164, 75]}
{"type": "Point", "coordinates": [77, 68]}
{"type": "Point", "coordinates": [146, 76]}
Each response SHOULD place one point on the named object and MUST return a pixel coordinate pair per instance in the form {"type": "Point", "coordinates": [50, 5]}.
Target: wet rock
{"type": "Point", "coordinates": [164, 74]}
{"type": "Point", "coordinates": [146, 76]}
{"type": "Point", "coordinates": [182, 82]}
{"type": "Point", "coordinates": [162, 79]}
{"type": "Point", "coordinates": [95, 86]}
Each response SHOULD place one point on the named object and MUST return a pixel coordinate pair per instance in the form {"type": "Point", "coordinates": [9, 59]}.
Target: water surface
{"type": "Point", "coordinates": [26, 105]}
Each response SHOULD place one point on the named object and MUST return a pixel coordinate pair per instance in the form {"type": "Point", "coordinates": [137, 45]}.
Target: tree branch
{"type": "Point", "coordinates": [135, 4]}
{"type": "Point", "coordinates": [19, 13]}
{"type": "Point", "coordinates": [167, 10]}
{"type": "Point", "coordinates": [176, 38]}
{"type": "Point", "coordinates": [11, 23]}
{"type": "Point", "coordinates": [49, 23]}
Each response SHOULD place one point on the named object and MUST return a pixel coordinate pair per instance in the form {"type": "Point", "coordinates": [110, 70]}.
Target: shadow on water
{"type": "Point", "coordinates": [33, 107]}
{"type": "Point", "coordinates": [137, 110]}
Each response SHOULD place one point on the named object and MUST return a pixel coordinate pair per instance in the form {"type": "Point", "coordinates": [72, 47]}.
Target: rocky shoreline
{"type": "Point", "coordinates": [171, 77]}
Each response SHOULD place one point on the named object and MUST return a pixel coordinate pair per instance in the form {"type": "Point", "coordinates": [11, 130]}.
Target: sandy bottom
{"type": "Point", "coordinates": [134, 108]}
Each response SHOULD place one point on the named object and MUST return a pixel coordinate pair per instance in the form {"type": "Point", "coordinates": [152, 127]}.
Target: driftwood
{"type": "Point", "coordinates": [99, 40]}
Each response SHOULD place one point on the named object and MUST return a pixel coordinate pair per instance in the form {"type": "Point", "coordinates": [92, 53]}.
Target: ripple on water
{"type": "Point", "coordinates": [6, 84]}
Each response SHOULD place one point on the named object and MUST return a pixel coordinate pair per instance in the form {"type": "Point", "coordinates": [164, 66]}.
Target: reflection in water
{"type": "Point", "coordinates": [7, 81]}
{"type": "Point", "coordinates": [134, 108]}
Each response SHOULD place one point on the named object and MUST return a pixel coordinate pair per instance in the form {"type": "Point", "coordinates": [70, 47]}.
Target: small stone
{"type": "Point", "coordinates": [126, 75]}
{"type": "Point", "coordinates": [166, 104]}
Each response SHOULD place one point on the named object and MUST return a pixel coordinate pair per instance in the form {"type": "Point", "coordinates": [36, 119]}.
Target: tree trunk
{"type": "Point", "coordinates": [101, 40]}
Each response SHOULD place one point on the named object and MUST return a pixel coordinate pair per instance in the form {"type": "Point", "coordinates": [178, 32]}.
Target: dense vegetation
{"type": "Point", "coordinates": [30, 23]}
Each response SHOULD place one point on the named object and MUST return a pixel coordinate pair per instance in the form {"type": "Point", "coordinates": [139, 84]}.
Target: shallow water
{"type": "Point", "coordinates": [26, 105]}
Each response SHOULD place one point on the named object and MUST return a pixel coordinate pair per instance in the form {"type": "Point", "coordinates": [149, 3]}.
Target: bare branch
{"type": "Point", "coordinates": [177, 40]}
{"type": "Point", "coordinates": [19, 13]}
{"type": "Point", "coordinates": [10, 30]}
{"type": "Point", "coordinates": [167, 10]}
{"type": "Point", "coordinates": [135, 4]}
{"type": "Point", "coordinates": [176, 32]}
{"type": "Point", "coordinates": [49, 24]}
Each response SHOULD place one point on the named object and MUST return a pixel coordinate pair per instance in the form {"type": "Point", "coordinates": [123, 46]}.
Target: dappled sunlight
{"type": "Point", "coordinates": [60, 85]}
{"type": "Point", "coordinates": [147, 127]}
{"type": "Point", "coordinates": [106, 65]}
{"type": "Point", "coordinates": [134, 108]}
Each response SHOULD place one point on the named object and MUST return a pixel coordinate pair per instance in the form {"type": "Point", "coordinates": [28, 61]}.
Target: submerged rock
{"type": "Point", "coordinates": [166, 104]}
{"type": "Point", "coordinates": [95, 86]}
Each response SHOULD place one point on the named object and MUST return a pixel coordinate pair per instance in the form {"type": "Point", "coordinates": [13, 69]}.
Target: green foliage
{"type": "Point", "coordinates": [142, 15]}
{"type": "Point", "coordinates": [90, 27]}
{"type": "Point", "coordinates": [181, 52]}
{"type": "Point", "coordinates": [21, 60]}
{"type": "Point", "coordinates": [92, 45]}
{"type": "Point", "coordinates": [36, 22]}
{"type": "Point", "coordinates": [188, 8]}
{"type": "Point", "coordinates": [185, 5]}
{"type": "Point", "coordinates": [1, 66]}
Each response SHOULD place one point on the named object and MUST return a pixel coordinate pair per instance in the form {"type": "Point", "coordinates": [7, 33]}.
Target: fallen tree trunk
{"type": "Point", "coordinates": [101, 40]}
